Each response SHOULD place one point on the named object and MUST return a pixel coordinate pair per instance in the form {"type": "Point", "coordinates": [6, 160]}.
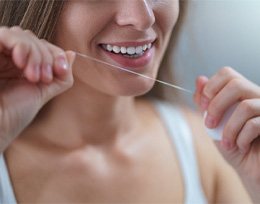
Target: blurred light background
{"type": "Point", "coordinates": [217, 33]}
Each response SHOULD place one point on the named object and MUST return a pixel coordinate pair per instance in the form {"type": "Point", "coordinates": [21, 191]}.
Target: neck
{"type": "Point", "coordinates": [83, 116]}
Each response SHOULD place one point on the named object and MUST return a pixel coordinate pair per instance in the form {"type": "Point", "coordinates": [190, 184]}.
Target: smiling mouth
{"type": "Point", "coordinates": [128, 51]}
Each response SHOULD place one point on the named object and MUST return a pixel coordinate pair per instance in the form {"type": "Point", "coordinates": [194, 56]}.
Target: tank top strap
{"type": "Point", "coordinates": [181, 137]}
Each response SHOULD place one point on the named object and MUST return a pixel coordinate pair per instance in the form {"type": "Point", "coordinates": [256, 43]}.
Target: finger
{"type": "Point", "coordinates": [248, 134]}
{"type": "Point", "coordinates": [63, 67]}
{"type": "Point", "coordinates": [197, 97]}
{"type": "Point", "coordinates": [45, 66]}
{"type": "Point", "coordinates": [219, 104]}
{"type": "Point", "coordinates": [20, 54]}
{"type": "Point", "coordinates": [70, 56]}
{"type": "Point", "coordinates": [8, 38]}
{"type": "Point", "coordinates": [233, 156]}
{"type": "Point", "coordinates": [60, 64]}
{"type": "Point", "coordinates": [218, 81]}
{"type": "Point", "coordinates": [13, 43]}
{"type": "Point", "coordinates": [46, 74]}
{"type": "Point", "coordinates": [200, 82]}
{"type": "Point", "coordinates": [245, 110]}
{"type": "Point", "coordinates": [61, 83]}
{"type": "Point", "coordinates": [203, 101]}
{"type": "Point", "coordinates": [32, 70]}
{"type": "Point", "coordinates": [235, 90]}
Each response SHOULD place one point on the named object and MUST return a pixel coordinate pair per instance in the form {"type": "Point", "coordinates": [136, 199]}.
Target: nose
{"type": "Point", "coordinates": [135, 13]}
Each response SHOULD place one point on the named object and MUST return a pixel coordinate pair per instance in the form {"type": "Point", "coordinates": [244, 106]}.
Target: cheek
{"type": "Point", "coordinates": [167, 13]}
{"type": "Point", "coordinates": [110, 81]}
{"type": "Point", "coordinates": [78, 25]}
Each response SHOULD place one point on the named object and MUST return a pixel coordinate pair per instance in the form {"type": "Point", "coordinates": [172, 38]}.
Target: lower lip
{"type": "Point", "coordinates": [138, 63]}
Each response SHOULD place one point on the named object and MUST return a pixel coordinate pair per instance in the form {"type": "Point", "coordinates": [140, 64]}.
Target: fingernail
{"type": "Point", "coordinates": [62, 63]}
{"type": "Point", "coordinates": [210, 121]}
{"type": "Point", "coordinates": [204, 102]}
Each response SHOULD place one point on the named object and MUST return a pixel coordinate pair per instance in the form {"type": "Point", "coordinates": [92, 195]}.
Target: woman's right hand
{"type": "Point", "coordinates": [32, 71]}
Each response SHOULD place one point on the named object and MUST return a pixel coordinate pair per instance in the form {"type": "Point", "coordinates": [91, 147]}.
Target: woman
{"type": "Point", "coordinates": [74, 131]}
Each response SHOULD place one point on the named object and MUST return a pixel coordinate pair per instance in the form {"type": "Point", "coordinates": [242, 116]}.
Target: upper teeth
{"type": "Point", "coordinates": [127, 50]}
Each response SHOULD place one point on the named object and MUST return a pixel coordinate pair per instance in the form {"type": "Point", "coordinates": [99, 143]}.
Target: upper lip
{"type": "Point", "coordinates": [130, 44]}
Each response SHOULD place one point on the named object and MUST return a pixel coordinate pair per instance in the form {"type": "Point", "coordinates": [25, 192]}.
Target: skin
{"type": "Point", "coordinates": [240, 142]}
{"type": "Point", "coordinates": [72, 153]}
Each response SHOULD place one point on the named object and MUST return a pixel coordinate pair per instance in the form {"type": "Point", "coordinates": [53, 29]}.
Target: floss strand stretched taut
{"type": "Point", "coordinates": [132, 72]}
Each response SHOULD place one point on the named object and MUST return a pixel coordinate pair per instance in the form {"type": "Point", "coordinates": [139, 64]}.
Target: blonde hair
{"type": "Point", "coordinates": [41, 17]}
{"type": "Point", "coordinates": [38, 16]}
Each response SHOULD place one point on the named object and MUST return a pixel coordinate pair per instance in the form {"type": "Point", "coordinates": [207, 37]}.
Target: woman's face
{"type": "Point", "coordinates": [130, 33]}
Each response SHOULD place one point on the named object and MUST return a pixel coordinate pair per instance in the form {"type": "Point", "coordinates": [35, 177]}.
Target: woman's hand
{"type": "Point", "coordinates": [240, 143]}
{"type": "Point", "coordinates": [32, 71]}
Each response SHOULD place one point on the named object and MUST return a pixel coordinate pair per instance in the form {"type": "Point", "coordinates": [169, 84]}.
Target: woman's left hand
{"type": "Point", "coordinates": [240, 144]}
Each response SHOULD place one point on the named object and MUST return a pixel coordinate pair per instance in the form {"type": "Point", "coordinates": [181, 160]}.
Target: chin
{"type": "Point", "coordinates": [135, 89]}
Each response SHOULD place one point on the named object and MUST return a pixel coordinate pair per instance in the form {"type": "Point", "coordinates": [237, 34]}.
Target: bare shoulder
{"type": "Point", "coordinates": [220, 181]}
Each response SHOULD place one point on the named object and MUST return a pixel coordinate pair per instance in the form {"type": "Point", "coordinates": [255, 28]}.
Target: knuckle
{"type": "Point", "coordinates": [24, 46]}
{"type": "Point", "coordinates": [214, 108]}
{"type": "Point", "coordinates": [226, 71]}
{"type": "Point", "coordinates": [229, 132]}
{"type": "Point", "coordinates": [4, 31]}
{"type": "Point", "coordinates": [59, 51]}
{"type": "Point", "coordinates": [44, 42]}
{"type": "Point", "coordinates": [46, 53]}
{"type": "Point", "coordinates": [253, 124]}
{"type": "Point", "coordinates": [246, 107]}
{"type": "Point", "coordinates": [241, 144]}
{"type": "Point", "coordinates": [208, 91]}
{"type": "Point", "coordinates": [35, 57]}
{"type": "Point", "coordinates": [29, 32]}
{"type": "Point", "coordinates": [16, 28]}
{"type": "Point", "coordinates": [234, 84]}
{"type": "Point", "coordinates": [56, 52]}
{"type": "Point", "coordinates": [55, 49]}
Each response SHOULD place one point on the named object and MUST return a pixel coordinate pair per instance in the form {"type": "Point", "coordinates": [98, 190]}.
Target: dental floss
{"type": "Point", "coordinates": [215, 133]}
{"type": "Point", "coordinates": [136, 73]}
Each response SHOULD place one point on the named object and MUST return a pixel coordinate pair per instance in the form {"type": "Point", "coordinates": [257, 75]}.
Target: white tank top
{"type": "Point", "coordinates": [181, 138]}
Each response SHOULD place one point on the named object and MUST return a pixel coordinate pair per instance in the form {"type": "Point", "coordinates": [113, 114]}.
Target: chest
{"type": "Point", "coordinates": [152, 176]}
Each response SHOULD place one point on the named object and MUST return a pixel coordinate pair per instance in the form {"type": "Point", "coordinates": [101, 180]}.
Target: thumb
{"type": "Point", "coordinates": [63, 73]}
{"type": "Point", "coordinates": [63, 83]}
{"type": "Point", "coordinates": [71, 57]}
